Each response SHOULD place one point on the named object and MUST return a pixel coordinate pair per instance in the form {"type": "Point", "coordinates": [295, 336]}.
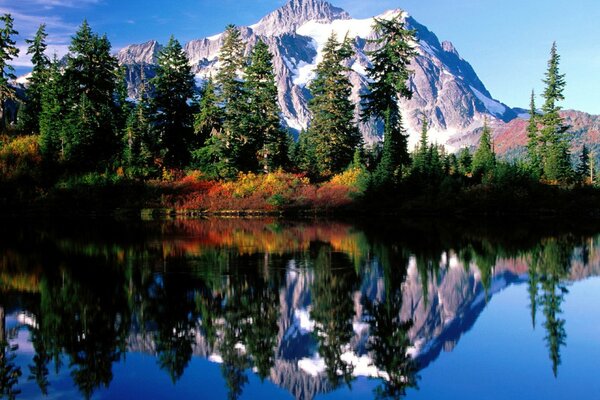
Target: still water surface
{"type": "Point", "coordinates": [253, 309]}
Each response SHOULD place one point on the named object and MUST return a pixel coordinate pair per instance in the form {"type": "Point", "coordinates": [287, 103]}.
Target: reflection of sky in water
{"type": "Point", "coordinates": [313, 293]}
{"type": "Point", "coordinates": [501, 357]}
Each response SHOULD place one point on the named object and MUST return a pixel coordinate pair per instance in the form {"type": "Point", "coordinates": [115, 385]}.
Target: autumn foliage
{"type": "Point", "coordinates": [276, 191]}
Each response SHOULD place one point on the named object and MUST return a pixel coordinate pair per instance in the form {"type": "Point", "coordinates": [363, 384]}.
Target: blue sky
{"type": "Point", "coordinates": [506, 42]}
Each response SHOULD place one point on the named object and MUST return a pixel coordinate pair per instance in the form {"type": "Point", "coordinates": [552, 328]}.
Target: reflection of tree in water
{"type": "Point", "coordinates": [171, 308]}
{"type": "Point", "coordinates": [549, 267]}
{"type": "Point", "coordinates": [389, 340]}
{"type": "Point", "coordinates": [9, 372]}
{"type": "Point", "coordinates": [38, 371]}
{"type": "Point", "coordinates": [333, 309]}
{"type": "Point", "coordinates": [233, 296]}
{"type": "Point", "coordinates": [83, 314]}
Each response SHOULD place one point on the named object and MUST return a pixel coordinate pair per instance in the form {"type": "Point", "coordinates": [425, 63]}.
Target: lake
{"type": "Point", "coordinates": [268, 308]}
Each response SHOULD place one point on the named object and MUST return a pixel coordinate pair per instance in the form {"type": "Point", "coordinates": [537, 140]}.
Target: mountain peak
{"type": "Point", "coordinates": [146, 53]}
{"type": "Point", "coordinates": [295, 13]}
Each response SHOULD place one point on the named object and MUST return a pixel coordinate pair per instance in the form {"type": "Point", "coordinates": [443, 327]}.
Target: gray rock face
{"type": "Point", "coordinates": [446, 89]}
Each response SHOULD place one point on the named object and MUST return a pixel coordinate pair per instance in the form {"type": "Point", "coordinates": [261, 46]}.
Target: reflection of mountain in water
{"type": "Point", "coordinates": [296, 303]}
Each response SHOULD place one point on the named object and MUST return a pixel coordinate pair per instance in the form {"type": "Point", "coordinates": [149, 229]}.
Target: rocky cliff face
{"type": "Point", "coordinates": [446, 88]}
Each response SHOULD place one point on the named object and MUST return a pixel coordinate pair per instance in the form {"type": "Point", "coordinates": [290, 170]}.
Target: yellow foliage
{"type": "Point", "coordinates": [349, 178]}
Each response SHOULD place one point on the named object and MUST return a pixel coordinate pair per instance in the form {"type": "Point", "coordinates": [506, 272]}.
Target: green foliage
{"type": "Point", "coordinates": [29, 118]}
{"type": "Point", "coordinates": [83, 102]}
{"type": "Point", "coordinates": [8, 52]}
{"type": "Point", "coordinates": [533, 140]}
{"type": "Point", "coordinates": [554, 145]}
{"type": "Point", "coordinates": [172, 117]}
{"type": "Point", "coordinates": [389, 74]}
{"type": "Point", "coordinates": [583, 168]}
{"type": "Point", "coordinates": [230, 145]}
{"type": "Point", "coordinates": [484, 159]}
{"type": "Point", "coordinates": [53, 111]}
{"type": "Point", "coordinates": [267, 139]}
{"type": "Point", "coordinates": [465, 161]}
{"type": "Point", "coordinates": [333, 131]}
{"type": "Point", "coordinates": [209, 119]}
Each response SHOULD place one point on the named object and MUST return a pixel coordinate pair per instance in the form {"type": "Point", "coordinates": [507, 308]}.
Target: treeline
{"type": "Point", "coordinates": [80, 120]}
{"type": "Point", "coordinates": [78, 108]}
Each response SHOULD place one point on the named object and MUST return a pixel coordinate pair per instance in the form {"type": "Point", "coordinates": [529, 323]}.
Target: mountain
{"type": "Point", "coordinates": [446, 88]}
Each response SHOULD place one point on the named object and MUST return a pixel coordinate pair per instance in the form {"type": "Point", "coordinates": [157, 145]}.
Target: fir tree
{"type": "Point", "coordinates": [465, 161]}
{"type": "Point", "coordinates": [8, 51]}
{"type": "Point", "coordinates": [533, 140]}
{"type": "Point", "coordinates": [583, 168]}
{"type": "Point", "coordinates": [333, 129]}
{"type": "Point", "coordinates": [421, 159]}
{"type": "Point", "coordinates": [484, 159]}
{"type": "Point", "coordinates": [138, 139]}
{"type": "Point", "coordinates": [209, 119]}
{"type": "Point", "coordinates": [263, 124]}
{"type": "Point", "coordinates": [52, 114]}
{"type": "Point", "coordinates": [556, 158]}
{"type": "Point", "coordinates": [389, 73]}
{"type": "Point", "coordinates": [91, 135]}
{"type": "Point", "coordinates": [172, 116]}
{"type": "Point", "coordinates": [30, 119]}
{"type": "Point", "coordinates": [229, 144]}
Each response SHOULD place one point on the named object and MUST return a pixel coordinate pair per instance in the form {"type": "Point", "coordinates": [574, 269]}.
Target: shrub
{"type": "Point", "coordinates": [19, 157]}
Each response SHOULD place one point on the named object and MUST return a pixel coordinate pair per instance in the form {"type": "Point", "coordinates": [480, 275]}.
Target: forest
{"type": "Point", "coordinates": [72, 137]}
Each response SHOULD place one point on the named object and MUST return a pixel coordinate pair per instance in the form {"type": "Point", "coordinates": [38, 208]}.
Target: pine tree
{"type": "Point", "coordinates": [172, 116]}
{"type": "Point", "coordinates": [263, 125]}
{"type": "Point", "coordinates": [583, 169]}
{"type": "Point", "coordinates": [533, 140]}
{"type": "Point", "coordinates": [484, 159]}
{"type": "Point", "coordinates": [556, 157]}
{"type": "Point", "coordinates": [333, 129]}
{"type": "Point", "coordinates": [389, 73]}
{"type": "Point", "coordinates": [8, 51]}
{"type": "Point", "coordinates": [91, 135]}
{"type": "Point", "coordinates": [30, 114]}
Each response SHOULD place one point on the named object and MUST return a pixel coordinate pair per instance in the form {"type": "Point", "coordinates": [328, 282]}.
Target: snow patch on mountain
{"type": "Point", "coordinates": [492, 105]}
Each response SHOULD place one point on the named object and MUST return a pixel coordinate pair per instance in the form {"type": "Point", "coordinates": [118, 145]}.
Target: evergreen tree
{"type": "Point", "coordinates": [229, 145]}
{"type": "Point", "coordinates": [30, 119]}
{"type": "Point", "coordinates": [172, 116]}
{"type": "Point", "coordinates": [533, 141]}
{"type": "Point", "coordinates": [52, 114]}
{"type": "Point", "coordinates": [8, 51]}
{"type": "Point", "coordinates": [583, 169]}
{"type": "Point", "coordinates": [389, 74]}
{"type": "Point", "coordinates": [138, 134]}
{"type": "Point", "coordinates": [484, 159]}
{"type": "Point", "coordinates": [465, 161]}
{"type": "Point", "coordinates": [91, 135]}
{"type": "Point", "coordinates": [421, 159]}
{"type": "Point", "coordinates": [333, 129]}
{"type": "Point", "coordinates": [263, 125]}
{"type": "Point", "coordinates": [305, 157]}
{"type": "Point", "coordinates": [556, 157]}
{"type": "Point", "coordinates": [210, 115]}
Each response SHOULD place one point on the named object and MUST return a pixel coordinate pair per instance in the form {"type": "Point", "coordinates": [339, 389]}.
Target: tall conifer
{"type": "Point", "coordinates": [30, 115]}
{"type": "Point", "coordinates": [389, 74]}
{"type": "Point", "coordinates": [333, 129]}
{"type": "Point", "coordinates": [8, 51]}
{"type": "Point", "coordinates": [172, 116]}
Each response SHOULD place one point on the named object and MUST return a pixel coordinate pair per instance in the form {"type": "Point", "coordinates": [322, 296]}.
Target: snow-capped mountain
{"type": "Point", "coordinates": [446, 88]}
